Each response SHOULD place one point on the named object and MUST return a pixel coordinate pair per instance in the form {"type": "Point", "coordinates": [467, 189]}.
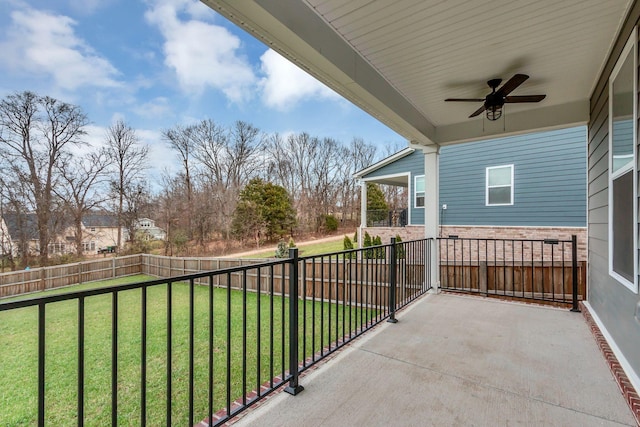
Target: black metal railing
{"type": "Point", "coordinates": [541, 270]}
{"type": "Point", "coordinates": [387, 218]}
{"type": "Point", "coordinates": [196, 347]}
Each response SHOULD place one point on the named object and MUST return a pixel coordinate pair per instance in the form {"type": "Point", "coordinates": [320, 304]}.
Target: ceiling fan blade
{"type": "Point", "coordinates": [464, 100]}
{"type": "Point", "coordinates": [513, 83]}
{"type": "Point", "coordinates": [478, 111]}
{"type": "Point", "coordinates": [524, 98]}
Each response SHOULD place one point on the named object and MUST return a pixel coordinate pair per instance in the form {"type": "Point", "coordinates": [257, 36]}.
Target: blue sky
{"type": "Point", "coordinates": [156, 64]}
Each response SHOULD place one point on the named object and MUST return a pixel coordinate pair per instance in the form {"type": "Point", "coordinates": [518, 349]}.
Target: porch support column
{"type": "Point", "coordinates": [363, 210]}
{"type": "Point", "coordinates": [432, 208]}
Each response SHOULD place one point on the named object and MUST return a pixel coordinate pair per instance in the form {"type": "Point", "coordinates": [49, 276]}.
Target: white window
{"type": "Point", "coordinates": [499, 185]}
{"type": "Point", "coordinates": [419, 191]}
{"type": "Point", "coordinates": [623, 208]}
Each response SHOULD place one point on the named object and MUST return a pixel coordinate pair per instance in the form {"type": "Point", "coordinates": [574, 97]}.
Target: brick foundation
{"type": "Point", "coordinates": [414, 232]}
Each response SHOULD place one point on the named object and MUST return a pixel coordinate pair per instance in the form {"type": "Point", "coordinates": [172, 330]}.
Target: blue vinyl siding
{"type": "Point", "coordinates": [414, 165]}
{"type": "Point", "coordinates": [413, 162]}
{"type": "Point", "coordinates": [549, 180]}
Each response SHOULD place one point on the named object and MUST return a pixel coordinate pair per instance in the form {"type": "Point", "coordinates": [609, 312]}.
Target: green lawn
{"type": "Point", "coordinates": [18, 353]}
{"type": "Point", "coordinates": [305, 250]}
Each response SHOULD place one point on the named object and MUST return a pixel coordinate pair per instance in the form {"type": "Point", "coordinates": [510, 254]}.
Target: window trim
{"type": "Point", "coordinates": [487, 187]}
{"type": "Point", "coordinates": [629, 49]}
{"type": "Point", "coordinates": [415, 192]}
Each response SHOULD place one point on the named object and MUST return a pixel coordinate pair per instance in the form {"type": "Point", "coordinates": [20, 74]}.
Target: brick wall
{"type": "Point", "coordinates": [410, 232]}
{"type": "Point", "coordinates": [530, 233]}
{"type": "Point", "coordinates": [487, 232]}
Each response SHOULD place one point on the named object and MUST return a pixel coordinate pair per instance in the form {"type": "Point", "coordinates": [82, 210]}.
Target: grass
{"type": "Point", "coordinates": [18, 352]}
{"type": "Point", "coordinates": [305, 249]}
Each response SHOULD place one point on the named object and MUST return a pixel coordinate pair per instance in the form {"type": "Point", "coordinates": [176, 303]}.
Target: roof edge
{"type": "Point", "coordinates": [388, 160]}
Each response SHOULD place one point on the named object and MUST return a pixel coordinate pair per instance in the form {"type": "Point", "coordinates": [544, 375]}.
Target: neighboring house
{"type": "Point", "coordinates": [8, 248]}
{"type": "Point", "coordinates": [150, 230]}
{"type": "Point", "coordinates": [103, 229]}
{"type": "Point", "coordinates": [526, 186]}
{"type": "Point", "coordinates": [99, 231]}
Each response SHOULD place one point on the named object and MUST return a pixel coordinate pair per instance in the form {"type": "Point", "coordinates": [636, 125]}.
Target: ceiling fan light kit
{"type": "Point", "coordinates": [494, 102]}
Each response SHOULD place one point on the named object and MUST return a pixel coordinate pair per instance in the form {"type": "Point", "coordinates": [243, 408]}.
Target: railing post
{"type": "Point", "coordinates": [574, 272]}
{"type": "Point", "coordinates": [392, 282]}
{"type": "Point", "coordinates": [293, 388]}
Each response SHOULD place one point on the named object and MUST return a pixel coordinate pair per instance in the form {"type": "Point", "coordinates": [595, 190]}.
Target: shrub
{"type": "Point", "coordinates": [282, 251]}
{"type": "Point", "coordinates": [399, 247]}
{"type": "Point", "coordinates": [330, 222]}
{"type": "Point", "coordinates": [347, 244]}
{"type": "Point", "coordinates": [365, 244]}
{"type": "Point", "coordinates": [378, 253]}
{"type": "Point", "coordinates": [292, 244]}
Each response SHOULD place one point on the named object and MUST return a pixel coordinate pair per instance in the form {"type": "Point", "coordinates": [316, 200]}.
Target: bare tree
{"type": "Point", "coordinates": [230, 159]}
{"type": "Point", "coordinates": [80, 192]}
{"type": "Point", "coordinates": [355, 157]}
{"type": "Point", "coordinates": [180, 139]}
{"type": "Point", "coordinates": [35, 133]}
{"type": "Point", "coordinates": [129, 159]}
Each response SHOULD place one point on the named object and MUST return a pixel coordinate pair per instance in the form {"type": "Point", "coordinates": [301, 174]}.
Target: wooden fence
{"type": "Point", "coordinates": [44, 278]}
{"type": "Point", "coordinates": [332, 279]}
{"type": "Point", "coordinates": [536, 282]}
{"type": "Point", "coordinates": [329, 279]}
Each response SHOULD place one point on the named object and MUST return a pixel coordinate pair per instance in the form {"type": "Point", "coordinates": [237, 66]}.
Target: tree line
{"type": "Point", "coordinates": [234, 182]}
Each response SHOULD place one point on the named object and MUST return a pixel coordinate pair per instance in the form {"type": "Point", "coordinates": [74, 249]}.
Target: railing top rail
{"type": "Point", "coordinates": [367, 248]}
{"type": "Point", "coordinates": [137, 285]}
{"type": "Point", "coordinates": [30, 302]}
{"type": "Point", "coordinates": [495, 239]}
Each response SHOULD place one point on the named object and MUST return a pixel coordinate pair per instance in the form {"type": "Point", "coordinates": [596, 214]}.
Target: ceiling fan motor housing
{"type": "Point", "coordinates": [492, 99]}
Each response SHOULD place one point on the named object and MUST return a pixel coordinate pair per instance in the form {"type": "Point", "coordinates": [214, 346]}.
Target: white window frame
{"type": "Point", "coordinates": [629, 49]}
{"type": "Point", "coordinates": [415, 192]}
{"type": "Point", "coordinates": [487, 186]}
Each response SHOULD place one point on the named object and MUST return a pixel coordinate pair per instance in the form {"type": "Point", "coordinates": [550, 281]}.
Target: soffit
{"type": "Point", "coordinates": [399, 59]}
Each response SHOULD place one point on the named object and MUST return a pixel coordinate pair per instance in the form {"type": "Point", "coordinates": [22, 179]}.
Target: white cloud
{"type": "Point", "coordinates": [41, 43]}
{"type": "Point", "coordinates": [155, 108]}
{"type": "Point", "coordinates": [203, 55]}
{"type": "Point", "coordinates": [285, 84]}
{"type": "Point", "coordinates": [88, 7]}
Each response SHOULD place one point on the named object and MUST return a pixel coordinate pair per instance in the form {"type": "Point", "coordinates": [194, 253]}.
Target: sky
{"type": "Point", "coordinates": [157, 64]}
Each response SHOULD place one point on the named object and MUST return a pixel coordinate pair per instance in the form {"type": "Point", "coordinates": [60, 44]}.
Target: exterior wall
{"type": "Point", "coordinates": [107, 236]}
{"type": "Point", "coordinates": [615, 306]}
{"type": "Point", "coordinates": [549, 180]}
{"type": "Point", "coordinates": [549, 190]}
{"type": "Point", "coordinates": [414, 165]}
{"type": "Point", "coordinates": [386, 233]}
{"type": "Point", "coordinates": [529, 233]}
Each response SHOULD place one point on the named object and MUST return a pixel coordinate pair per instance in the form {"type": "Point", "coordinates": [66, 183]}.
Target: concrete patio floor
{"type": "Point", "coordinates": [460, 361]}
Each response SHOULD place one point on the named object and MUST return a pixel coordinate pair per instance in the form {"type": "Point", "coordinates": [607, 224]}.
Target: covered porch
{"type": "Point", "coordinates": [401, 61]}
{"type": "Point", "coordinates": [478, 362]}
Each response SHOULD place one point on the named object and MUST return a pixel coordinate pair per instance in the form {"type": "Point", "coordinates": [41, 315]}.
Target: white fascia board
{"type": "Point", "coordinates": [392, 158]}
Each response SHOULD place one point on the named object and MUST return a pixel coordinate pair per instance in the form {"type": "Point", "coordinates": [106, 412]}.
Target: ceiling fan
{"type": "Point", "coordinates": [494, 101]}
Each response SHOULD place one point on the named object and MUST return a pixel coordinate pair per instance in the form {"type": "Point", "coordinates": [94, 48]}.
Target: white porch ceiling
{"type": "Point", "coordinates": [399, 59]}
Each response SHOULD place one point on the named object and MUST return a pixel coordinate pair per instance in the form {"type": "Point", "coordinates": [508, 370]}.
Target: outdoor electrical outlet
{"type": "Point", "coordinates": [444, 207]}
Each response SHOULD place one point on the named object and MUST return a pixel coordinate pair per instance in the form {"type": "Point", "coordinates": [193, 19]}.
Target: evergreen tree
{"type": "Point", "coordinates": [378, 253]}
{"type": "Point", "coordinates": [377, 208]}
{"type": "Point", "coordinates": [400, 253]}
{"type": "Point", "coordinates": [264, 212]}
{"type": "Point", "coordinates": [365, 244]}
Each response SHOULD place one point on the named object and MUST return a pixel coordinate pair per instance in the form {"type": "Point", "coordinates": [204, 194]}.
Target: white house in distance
{"type": "Point", "coordinates": [100, 231]}
{"type": "Point", "coordinates": [151, 232]}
